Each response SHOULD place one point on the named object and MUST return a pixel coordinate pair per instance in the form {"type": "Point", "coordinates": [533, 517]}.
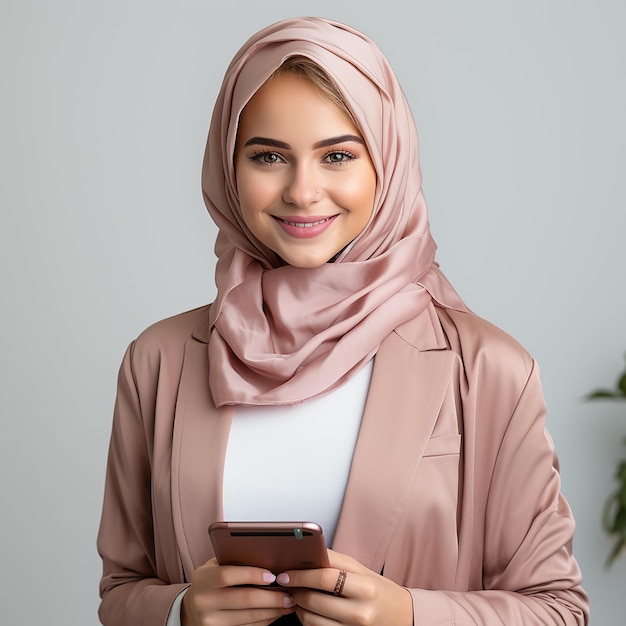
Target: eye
{"type": "Point", "coordinates": [338, 157]}
{"type": "Point", "coordinates": [266, 158]}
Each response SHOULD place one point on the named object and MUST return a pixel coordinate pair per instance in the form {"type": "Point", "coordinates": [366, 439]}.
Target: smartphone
{"type": "Point", "coordinates": [276, 546]}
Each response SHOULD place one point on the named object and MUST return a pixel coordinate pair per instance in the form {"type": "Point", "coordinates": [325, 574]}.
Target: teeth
{"type": "Point", "coordinates": [306, 224]}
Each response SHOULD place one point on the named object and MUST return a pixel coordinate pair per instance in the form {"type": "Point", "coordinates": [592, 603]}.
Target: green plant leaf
{"type": "Point", "coordinates": [616, 551]}
{"type": "Point", "coordinates": [615, 525]}
{"type": "Point", "coordinates": [602, 394]}
{"type": "Point", "coordinates": [614, 511]}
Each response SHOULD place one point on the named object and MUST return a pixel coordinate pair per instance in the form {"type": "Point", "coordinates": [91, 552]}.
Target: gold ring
{"type": "Point", "coordinates": [341, 581]}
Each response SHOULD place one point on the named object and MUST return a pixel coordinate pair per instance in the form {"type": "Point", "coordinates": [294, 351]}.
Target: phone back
{"type": "Point", "coordinates": [276, 546]}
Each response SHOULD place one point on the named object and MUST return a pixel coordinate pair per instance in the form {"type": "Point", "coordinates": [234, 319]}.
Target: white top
{"type": "Point", "coordinates": [290, 463]}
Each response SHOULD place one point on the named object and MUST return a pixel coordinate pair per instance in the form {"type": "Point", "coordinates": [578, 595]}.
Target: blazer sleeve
{"type": "Point", "coordinates": [131, 589]}
{"type": "Point", "coordinates": [530, 576]}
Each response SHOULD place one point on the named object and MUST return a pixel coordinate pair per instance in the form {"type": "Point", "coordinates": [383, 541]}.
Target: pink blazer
{"type": "Point", "coordinates": [453, 492]}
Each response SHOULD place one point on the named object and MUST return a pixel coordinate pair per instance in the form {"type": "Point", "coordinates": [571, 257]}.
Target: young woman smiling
{"type": "Point", "coordinates": [337, 378]}
{"type": "Point", "coordinates": [305, 180]}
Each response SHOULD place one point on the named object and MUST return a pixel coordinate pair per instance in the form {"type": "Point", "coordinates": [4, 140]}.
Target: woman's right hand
{"type": "Point", "coordinates": [216, 597]}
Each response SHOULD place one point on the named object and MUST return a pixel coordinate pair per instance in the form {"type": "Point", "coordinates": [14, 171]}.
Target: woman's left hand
{"type": "Point", "coordinates": [367, 599]}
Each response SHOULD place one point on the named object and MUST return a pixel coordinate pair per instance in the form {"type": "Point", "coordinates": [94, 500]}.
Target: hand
{"type": "Point", "coordinates": [368, 599]}
{"type": "Point", "coordinates": [215, 599]}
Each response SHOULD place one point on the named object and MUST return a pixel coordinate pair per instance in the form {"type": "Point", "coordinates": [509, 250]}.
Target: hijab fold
{"type": "Point", "coordinates": [282, 334]}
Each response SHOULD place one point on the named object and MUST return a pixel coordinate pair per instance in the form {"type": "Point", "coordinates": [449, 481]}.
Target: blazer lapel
{"type": "Point", "coordinates": [199, 446]}
{"type": "Point", "coordinates": [406, 392]}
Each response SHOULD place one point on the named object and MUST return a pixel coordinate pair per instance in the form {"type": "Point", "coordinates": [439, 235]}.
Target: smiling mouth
{"type": "Point", "coordinates": [317, 222]}
{"type": "Point", "coordinates": [305, 227]}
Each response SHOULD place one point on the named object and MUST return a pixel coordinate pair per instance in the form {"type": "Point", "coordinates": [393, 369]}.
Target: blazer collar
{"type": "Point", "coordinates": [412, 371]}
{"type": "Point", "coordinates": [202, 331]}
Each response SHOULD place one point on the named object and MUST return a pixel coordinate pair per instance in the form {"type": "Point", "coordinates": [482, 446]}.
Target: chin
{"type": "Point", "coordinates": [311, 260]}
{"type": "Point", "coordinates": [307, 261]}
{"type": "Point", "coordinates": [305, 265]}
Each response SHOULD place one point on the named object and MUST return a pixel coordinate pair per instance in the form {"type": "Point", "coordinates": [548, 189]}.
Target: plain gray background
{"type": "Point", "coordinates": [105, 107]}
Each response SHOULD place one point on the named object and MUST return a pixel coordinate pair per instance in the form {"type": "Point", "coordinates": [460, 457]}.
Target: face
{"type": "Point", "coordinates": [305, 179]}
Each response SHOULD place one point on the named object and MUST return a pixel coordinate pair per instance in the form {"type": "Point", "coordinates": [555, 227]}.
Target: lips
{"type": "Point", "coordinates": [305, 227]}
{"type": "Point", "coordinates": [306, 224]}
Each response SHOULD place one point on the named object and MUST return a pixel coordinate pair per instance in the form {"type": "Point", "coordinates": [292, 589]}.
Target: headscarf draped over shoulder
{"type": "Point", "coordinates": [281, 334]}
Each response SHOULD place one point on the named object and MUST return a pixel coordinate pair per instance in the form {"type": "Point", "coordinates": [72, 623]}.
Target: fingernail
{"type": "Point", "coordinates": [289, 602]}
{"type": "Point", "coordinates": [268, 577]}
{"type": "Point", "coordinates": [283, 579]}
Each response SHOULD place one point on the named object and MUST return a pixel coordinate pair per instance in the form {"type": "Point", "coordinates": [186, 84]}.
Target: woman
{"type": "Point", "coordinates": [335, 334]}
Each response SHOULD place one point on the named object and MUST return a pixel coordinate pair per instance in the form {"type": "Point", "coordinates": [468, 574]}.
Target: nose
{"type": "Point", "coordinates": [301, 189]}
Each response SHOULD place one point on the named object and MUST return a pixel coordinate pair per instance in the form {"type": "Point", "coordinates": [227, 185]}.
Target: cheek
{"type": "Point", "coordinates": [248, 195]}
{"type": "Point", "coordinates": [250, 212]}
{"type": "Point", "coordinates": [255, 192]}
{"type": "Point", "coordinates": [245, 199]}
{"type": "Point", "coordinates": [360, 193]}
{"type": "Point", "coordinates": [370, 194]}
{"type": "Point", "coordinates": [246, 205]}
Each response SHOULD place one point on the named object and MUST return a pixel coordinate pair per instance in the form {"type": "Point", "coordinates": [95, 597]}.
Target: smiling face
{"type": "Point", "coordinates": [305, 179]}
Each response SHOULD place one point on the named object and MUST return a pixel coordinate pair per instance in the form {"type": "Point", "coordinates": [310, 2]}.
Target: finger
{"type": "Point", "coordinates": [255, 617]}
{"type": "Point", "coordinates": [316, 608]}
{"type": "Point", "coordinates": [356, 605]}
{"type": "Point", "coordinates": [236, 575]}
{"type": "Point", "coordinates": [251, 597]}
{"type": "Point", "coordinates": [214, 576]}
{"type": "Point", "coordinates": [238, 605]}
{"type": "Point", "coordinates": [343, 561]}
{"type": "Point", "coordinates": [330, 580]}
{"type": "Point", "coordinates": [367, 599]}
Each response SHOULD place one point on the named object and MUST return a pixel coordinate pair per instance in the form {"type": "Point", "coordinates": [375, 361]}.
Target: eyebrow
{"type": "Point", "coordinates": [331, 141]}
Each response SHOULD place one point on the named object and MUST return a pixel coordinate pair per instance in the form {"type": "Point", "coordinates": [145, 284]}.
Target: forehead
{"type": "Point", "coordinates": [291, 103]}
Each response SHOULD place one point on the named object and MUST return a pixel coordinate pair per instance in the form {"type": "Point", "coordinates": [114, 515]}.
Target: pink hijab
{"type": "Point", "coordinates": [281, 334]}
